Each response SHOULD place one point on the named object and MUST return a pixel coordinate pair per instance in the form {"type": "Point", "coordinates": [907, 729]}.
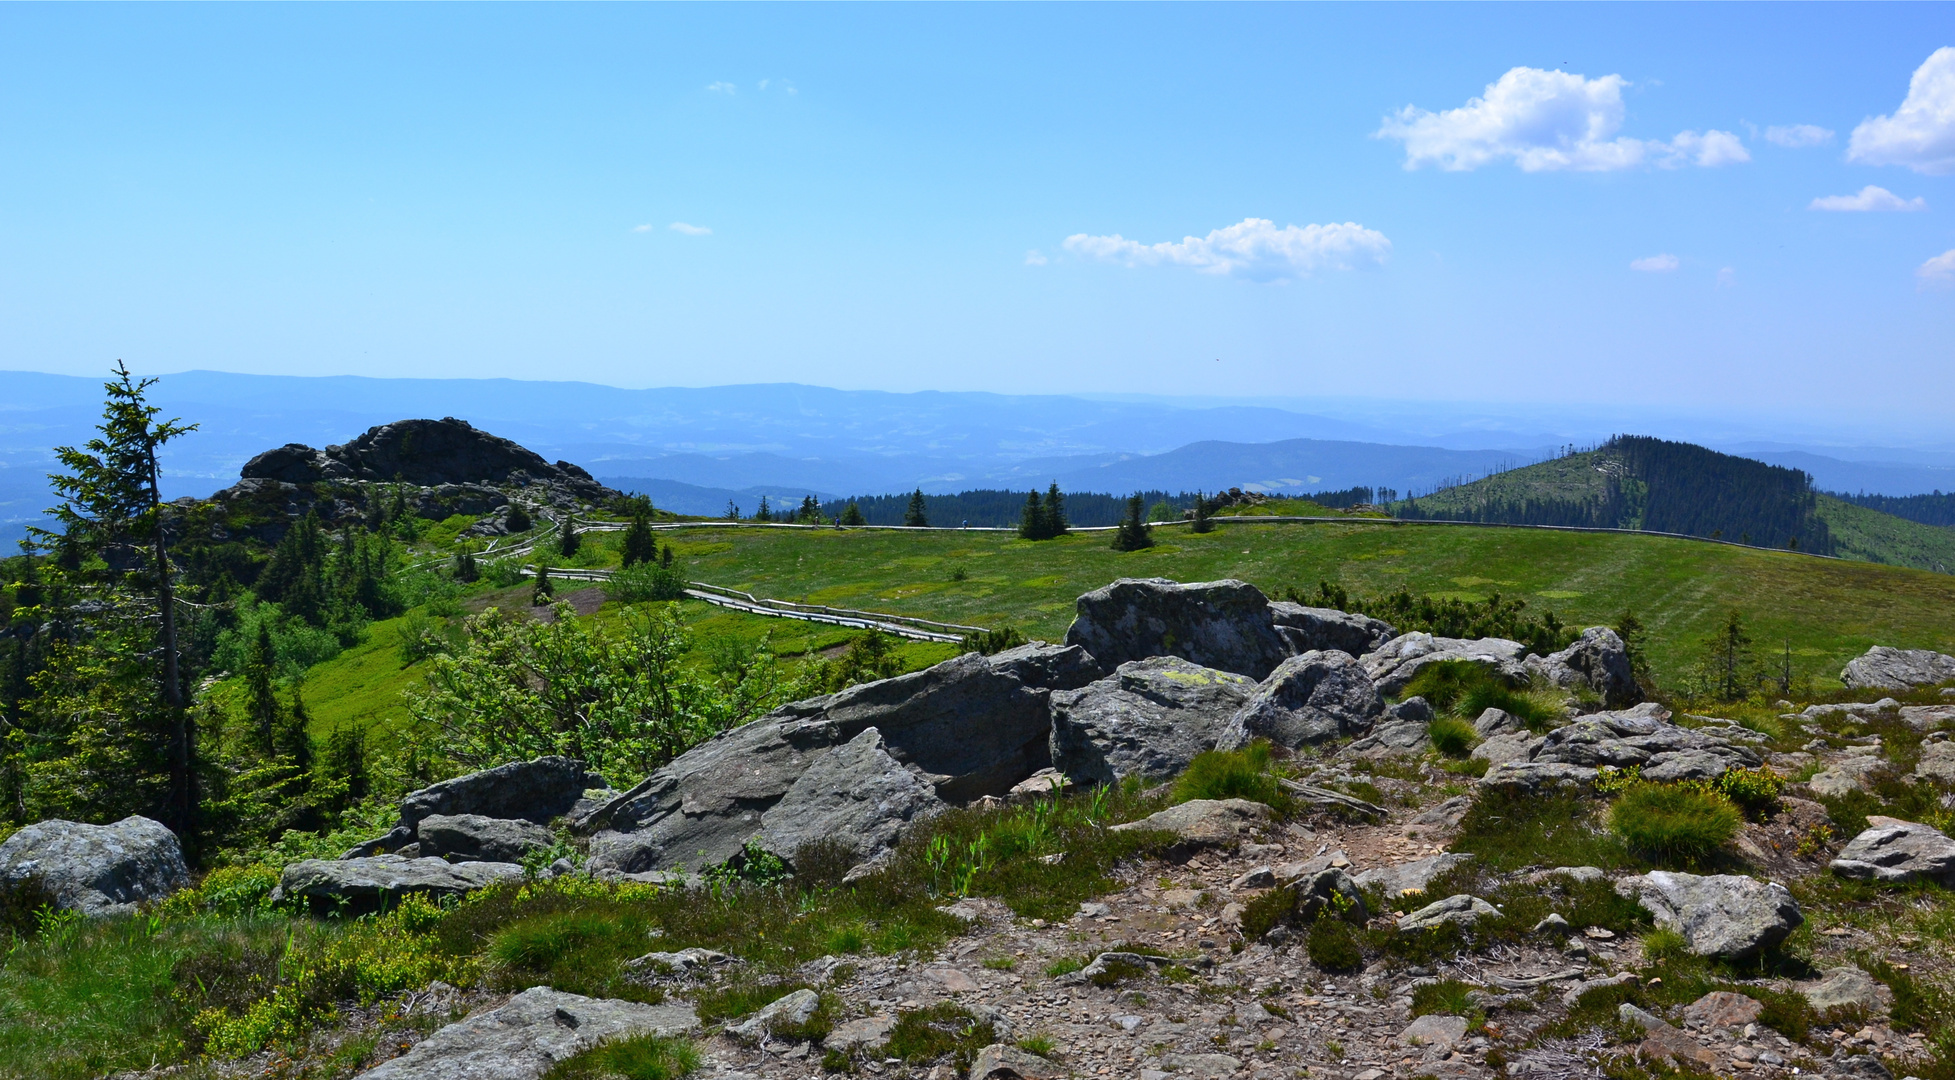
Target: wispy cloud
{"type": "Point", "coordinates": [1870, 198]}
{"type": "Point", "coordinates": [1938, 271]}
{"type": "Point", "coordinates": [1655, 264]}
{"type": "Point", "coordinates": [722, 88]}
{"type": "Point", "coordinates": [1548, 121]}
{"type": "Point", "coordinates": [1253, 248]}
{"type": "Point", "coordinates": [1035, 257]}
{"type": "Point", "coordinates": [689, 230]}
{"type": "Point", "coordinates": [1798, 136]}
{"type": "Point", "coordinates": [1921, 133]}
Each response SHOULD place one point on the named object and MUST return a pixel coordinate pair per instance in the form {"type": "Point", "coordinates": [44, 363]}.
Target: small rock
{"type": "Point", "coordinates": [1858, 1067]}
{"type": "Point", "coordinates": [1462, 910]}
{"type": "Point", "coordinates": [1412, 877]}
{"type": "Point", "coordinates": [794, 1009]}
{"type": "Point", "coordinates": [1721, 915]}
{"type": "Point", "coordinates": [862, 1032]}
{"type": "Point", "coordinates": [1849, 987]}
{"type": "Point", "coordinates": [1001, 1061]}
{"type": "Point", "coordinates": [1262, 877]}
{"type": "Point", "coordinates": [1201, 1066]}
{"type": "Point", "coordinates": [1434, 1030]}
{"type": "Point", "coordinates": [1894, 850]}
{"type": "Point", "coordinates": [1205, 822]}
{"type": "Point", "coordinates": [683, 962]}
{"type": "Point", "coordinates": [1554, 925]}
{"type": "Point", "coordinates": [1722, 1009]}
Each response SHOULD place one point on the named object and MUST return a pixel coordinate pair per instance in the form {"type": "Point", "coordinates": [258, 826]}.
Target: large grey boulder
{"type": "Point", "coordinates": [1520, 777]}
{"type": "Point", "coordinates": [474, 838]}
{"type": "Point", "coordinates": [857, 795]}
{"type": "Point", "coordinates": [535, 791]}
{"type": "Point", "coordinates": [382, 880]}
{"type": "Point", "coordinates": [1308, 699]}
{"type": "Point", "coordinates": [1226, 625]}
{"type": "Point", "coordinates": [1597, 661]}
{"type": "Point", "coordinates": [968, 727]}
{"type": "Point", "coordinates": [1721, 915]}
{"type": "Point", "coordinates": [1313, 629]}
{"type": "Point", "coordinates": [1883, 668]}
{"type": "Point", "coordinates": [1461, 910]}
{"type": "Point", "coordinates": [1150, 718]}
{"type": "Point", "coordinates": [1644, 736]}
{"type": "Point", "coordinates": [1411, 877]}
{"type": "Point", "coordinates": [96, 869]}
{"type": "Point", "coordinates": [526, 1035]}
{"type": "Point", "coordinates": [1893, 850]}
{"type": "Point", "coordinates": [1394, 664]}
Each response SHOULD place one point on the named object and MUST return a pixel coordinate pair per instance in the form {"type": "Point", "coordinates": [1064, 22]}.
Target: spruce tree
{"type": "Point", "coordinates": [1202, 524]}
{"type": "Point", "coordinates": [732, 510]}
{"type": "Point", "coordinates": [260, 668]}
{"type": "Point", "coordinates": [665, 557]}
{"type": "Point", "coordinates": [1055, 512]}
{"type": "Point", "coordinates": [810, 511]}
{"type": "Point", "coordinates": [518, 519]}
{"type": "Point", "coordinates": [294, 742]}
{"type": "Point", "coordinates": [1133, 533]}
{"type": "Point", "coordinates": [853, 515]}
{"type": "Point", "coordinates": [295, 578]}
{"type": "Point", "coordinates": [569, 539]}
{"type": "Point", "coordinates": [1032, 522]}
{"type": "Point", "coordinates": [914, 516]}
{"type": "Point", "coordinates": [466, 571]}
{"type": "Point", "coordinates": [543, 590]}
{"type": "Point", "coordinates": [640, 546]}
{"type": "Point", "coordinates": [763, 514]}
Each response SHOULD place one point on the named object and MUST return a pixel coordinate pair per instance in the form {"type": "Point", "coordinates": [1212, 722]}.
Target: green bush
{"type": "Point", "coordinates": [1674, 824]}
{"type": "Point", "coordinates": [1333, 945]}
{"type": "Point", "coordinates": [924, 1036]}
{"type": "Point", "coordinates": [645, 581]}
{"type": "Point", "coordinates": [1447, 997]}
{"type": "Point", "coordinates": [1756, 791]}
{"type": "Point", "coordinates": [1233, 774]}
{"type": "Point", "coordinates": [1268, 911]}
{"type": "Point", "coordinates": [1452, 737]}
{"type": "Point", "coordinates": [638, 1057]}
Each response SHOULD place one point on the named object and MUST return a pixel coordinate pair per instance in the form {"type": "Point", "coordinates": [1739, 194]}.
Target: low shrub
{"type": "Point", "coordinates": [1452, 736]}
{"type": "Point", "coordinates": [1447, 997]}
{"type": "Point", "coordinates": [1670, 823]}
{"type": "Point", "coordinates": [1665, 944]}
{"type": "Point", "coordinates": [1333, 945]}
{"type": "Point", "coordinates": [638, 1057]}
{"type": "Point", "coordinates": [1510, 831]}
{"type": "Point", "coordinates": [1268, 911]}
{"type": "Point", "coordinates": [643, 582]}
{"type": "Point", "coordinates": [228, 892]}
{"type": "Point", "coordinates": [579, 951]}
{"type": "Point", "coordinates": [945, 1030]}
{"type": "Point", "coordinates": [1755, 791]}
{"type": "Point", "coordinates": [739, 999]}
{"type": "Point", "coordinates": [1233, 774]}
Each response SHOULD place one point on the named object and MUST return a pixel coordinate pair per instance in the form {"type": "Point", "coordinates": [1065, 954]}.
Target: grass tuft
{"type": "Point", "coordinates": [1452, 736]}
{"type": "Point", "coordinates": [639, 1057]}
{"type": "Point", "coordinates": [1673, 824]}
{"type": "Point", "coordinates": [1233, 774]}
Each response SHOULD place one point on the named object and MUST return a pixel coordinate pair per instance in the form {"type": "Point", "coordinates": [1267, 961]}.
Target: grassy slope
{"type": "Point", "coordinates": [1830, 610]}
{"type": "Point", "coordinates": [1861, 533]}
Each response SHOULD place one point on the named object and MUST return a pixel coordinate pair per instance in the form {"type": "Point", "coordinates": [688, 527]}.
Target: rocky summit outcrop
{"type": "Point", "coordinates": [425, 453]}
{"type": "Point", "coordinates": [1896, 851]}
{"type": "Point", "coordinates": [1312, 629]}
{"type": "Point", "coordinates": [1884, 668]}
{"type": "Point", "coordinates": [536, 791]}
{"type": "Point", "coordinates": [1727, 916]}
{"type": "Point", "coordinates": [474, 838]}
{"type": "Point", "coordinates": [522, 1038]}
{"type": "Point", "coordinates": [1642, 737]}
{"type": "Point", "coordinates": [1397, 662]}
{"type": "Point", "coordinates": [1226, 625]}
{"type": "Point", "coordinates": [96, 869]}
{"type": "Point", "coordinates": [968, 727]}
{"type": "Point", "coordinates": [1149, 719]}
{"type": "Point", "coordinates": [1598, 661]}
{"type": "Point", "coordinates": [1307, 700]}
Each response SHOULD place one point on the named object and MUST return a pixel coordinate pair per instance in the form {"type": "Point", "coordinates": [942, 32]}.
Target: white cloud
{"type": "Point", "coordinates": [1870, 198]}
{"type": "Point", "coordinates": [1254, 248]}
{"type": "Point", "coordinates": [1921, 133]}
{"type": "Point", "coordinates": [1711, 149]}
{"type": "Point", "coordinates": [1939, 270]}
{"type": "Point", "coordinates": [1655, 264]}
{"type": "Point", "coordinates": [1727, 277]}
{"type": "Point", "coordinates": [1798, 136]}
{"type": "Point", "coordinates": [689, 230]}
{"type": "Point", "coordinates": [1035, 257]}
{"type": "Point", "coordinates": [722, 88]}
{"type": "Point", "coordinates": [643, 228]}
{"type": "Point", "coordinates": [1547, 121]}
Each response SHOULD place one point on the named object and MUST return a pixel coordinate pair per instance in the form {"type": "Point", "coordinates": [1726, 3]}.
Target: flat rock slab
{"type": "Point", "coordinates": [522, 1038]}
{"type": "Point", "coordinates": [1722, 915]}
{"type": "Point", "coordinates": [1849, 988]}
{"type": "Point", "coordinates": [1411, 877]}
{"type": "Point", "coordinates": [1434, 1030]}
{"type": "Point", "coordinates": [790, 1011]}
{"type": "Point", "coordinates": [1893, 850]}
{"type": "Point", "coordinates": [1722, 1009]}
{"type": "Point", "coordinates": [1397, 662]}
{"type": "Point", "coordinates": [1308, 629]}
{"type": "Point", "coordinates": [96, 869]}
{"type": "Point", "coordinates": [475, 838]}
{"type": "Point", "coordinates": [1205, 822]}
{"type": "Point", "coordinates": [1461, 910]}
{"type": "Point", "coordinates": [1883, 668]}
{"type": "Point", "coordinates": [383, 879]}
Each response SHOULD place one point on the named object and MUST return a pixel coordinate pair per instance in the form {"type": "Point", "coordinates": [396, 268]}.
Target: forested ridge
{"type": "Point", "coordinates": [1931, 509]}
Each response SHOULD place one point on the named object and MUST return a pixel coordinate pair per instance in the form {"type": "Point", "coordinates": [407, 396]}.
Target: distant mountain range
{"type": "Point", "coordinates": [693, 449]}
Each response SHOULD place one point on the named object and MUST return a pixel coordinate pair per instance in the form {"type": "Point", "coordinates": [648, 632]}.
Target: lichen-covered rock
{"type": "Point", "coordinates": [1411, 877]}
{"type": "Point", "coordinates": [784, 1013]}
{"type": "Point", "coordinates": [855, 795]}
{"type": "Point", "coordinates": [1728, 916]}
{"type": "Point", "coordinates": [1002, 1061]}
{"type": "Point", "coordinates": [381, 880]}
{"type": "Point", "coordinates": [96, 869]}
{"type": "Point", "coordinates": [968, 727]}
{"type": "Point", "coordinates": [1849, 988]}
{"type": "Point", "coordinates": [1521, 777]}
{"type": "Point", "coordinates": [474, 838]}
{"type": "Point", "coordinates": [1226, 625]}
{"type": "Point", "coordinates": [1884, 668]}
{"type": "Point", "coordinates": [1644, 737]}
{"type": "Point", "coordinates": [535, 791]}
{"type": "Point", "coordinates": [1460, 910]}
{"type": "Point", "coordinates": [1309, 699]}
{"type": "Point", "coordinates": [1205, 822]}
{"type": "Point", "coordinates": [1312, 629]}
{"type": "Point", "coordinates": [1598, 661]}
{"type": "Point", "coordinates": [1394, 664]}
{"type": "Point", "coordinates": [1893, 850]}
{"type": "Point", "coordinates": [1149, 719]}
{"type": "Point", "coordinates": [522, 1038]}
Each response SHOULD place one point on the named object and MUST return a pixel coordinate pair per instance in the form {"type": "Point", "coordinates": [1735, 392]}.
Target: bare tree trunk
{"type": "Point", "coordinates": [180, 795]}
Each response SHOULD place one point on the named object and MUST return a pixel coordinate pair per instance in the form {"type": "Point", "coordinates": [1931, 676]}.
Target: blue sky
{"type": "Point", "coordinates": [883, 196]}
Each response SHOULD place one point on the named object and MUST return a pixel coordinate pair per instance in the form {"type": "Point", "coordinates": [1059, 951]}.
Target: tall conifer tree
{"type": "Point", "coordinates": [914, 517]}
